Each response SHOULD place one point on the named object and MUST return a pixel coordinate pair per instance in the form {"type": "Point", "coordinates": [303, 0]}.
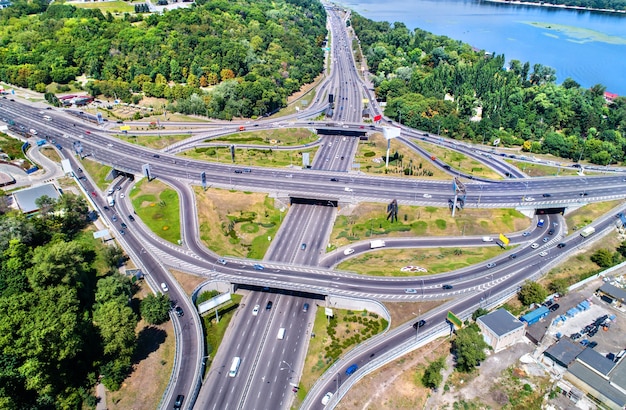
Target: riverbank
{"type": "Point", "coordinates": [556, 6]}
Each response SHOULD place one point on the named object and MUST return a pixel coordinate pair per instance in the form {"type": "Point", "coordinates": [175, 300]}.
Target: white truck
{"type": "Point", "coordinates": [111, 200]}
{"type": "Point", "coordinates": [587, 231]}
{"type": "Point", "coordinates": [377, 244]}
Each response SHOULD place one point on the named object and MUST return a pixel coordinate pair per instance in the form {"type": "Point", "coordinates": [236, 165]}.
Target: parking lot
{"type": "Point", "coordinates": [608, 341]}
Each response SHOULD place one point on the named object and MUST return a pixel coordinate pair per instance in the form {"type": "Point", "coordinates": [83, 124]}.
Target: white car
{"type": "Point", "coordinates": [544, 253]}
{"type": "Point", "coordinates": [348, 251]}
{"type": "Point", "coordinates": [255, 311]}
{"type": "Point", "coordinates": [122, 195]}
{"type": "Point", "coordinates": [529, 199]}
{"type": "Point", "coordinates": [428, 196]}
{"type": "Point", "coordinates": [534, 245]}
{"type": "Point", "coordinates": [347, 189]}
{"type": "Point", "coordinates": [164, 287]}
{"type": "Point", "coordinates": [326, 398]}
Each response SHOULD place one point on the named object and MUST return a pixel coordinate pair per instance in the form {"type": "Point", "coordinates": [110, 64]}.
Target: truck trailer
{"type": "Point", "coordinates": [377, 244]}
{"type": "Point", "coordinates": [587, 231]}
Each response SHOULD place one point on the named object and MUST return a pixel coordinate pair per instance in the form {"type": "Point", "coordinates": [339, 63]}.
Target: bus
{"type": "Point", "coordinates": [587, 231]}
{"type": "Point", "coordinates": [234, 367]}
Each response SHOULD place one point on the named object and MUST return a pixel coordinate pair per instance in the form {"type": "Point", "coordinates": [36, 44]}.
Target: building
{"type": "Point", "coordinates": [535, 316]}
{"type": "Point", "coordinates": [610, 293]}
{"type": "Point", "coordinates": [26, 198]}
{"type": "Point", "coordinates": [593, 373]}
{"type": "Point", "coordinates": [501, 329]}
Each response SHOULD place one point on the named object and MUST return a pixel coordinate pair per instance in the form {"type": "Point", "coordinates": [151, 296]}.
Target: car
{"type": "Point", "coordinates": [545, 239]}
{"type": "Point", "coordinates": [269, 305]}
{"type": "Point", "coordinates": [179, 311]}
{"type": "Point", "coordinates": [427, 196]}
{"type": "Point", "coordinates": [305, 307]}
{"type": "Point", "coordinates": [164, 287]}
{"type": "Point", "coordinates": [526, 234]}
{"type": "Point", "coordinates": [348, 251]}
{"type": "Point", "coordinates": [247, 170]}
{"type": "Point", "coordinates": [156, 156]}
{"type": "Point", "coordinates": [221, 261]}
{"type": "Point", "coordinates": [122, 195]}
{"type": "Point", "coordinates": [551, 232]}
{"type": "Point", "coordinates": [124, 225]}
{"type": "Point", "coordinates": [561, 245]}
{"type": "Point", "coordinates": [534, 245]}
{"type": "Point", "coordinates": [529, 199]}
{"type": "Point", "coordinates": [122, 232]}
{"type": "Point", "coordinates": [583, 194]}
{"type": "Point", "coordinates": [303, 246]}
{"type": "Point", "coordinates": [258, 266]}
{"type": "Point", "coordinates": [554, 307]}
{"type": "Point", "coordinates": [80, 170]}
{"type": "Point", "coordinates": [487, 239]}
{"type": "Point", "coordinates": [106, 208]}
{"type": "Point", "coordinates": [179, 402]}
{"type": "Point", "coordinates": [547, 195]}
{"type": "Point", "coordinates": [591, 345]}
{"type": "Point", "coordinates": [447, 287]}
{"type": "Point", "coordinates": [491, 265]}
{"type": "Point", "coordinates": [347, 189]}
{"type": "Point", "coordinates": [512, 256]}
{"type": "Point", "coordinates": [342, 157]}
{"type": "Point", "coordinates": [334, 180]}
{"type": "Point", "coordinates": [327, 398]}
{"type": "Point", "coordinates": [350, 370]}
{"type": "Point", "coordinates": [238, 171]}
{"type": "Point", "coordinates": [544, 253]}
{"type": "Point", "coordinates": [114, 218]}
{"type": "Point", "coordinates": [255, 311]}
{"type": "Point", "coordinates": [131, 218]}
{"type": "Point", "coordinates": [419, 324]}
{"type": "Point", "coordinates": [93, 193]}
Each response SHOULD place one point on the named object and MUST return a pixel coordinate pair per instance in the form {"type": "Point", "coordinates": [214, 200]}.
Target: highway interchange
{"type": "Point", "coordinates": [293, 276]}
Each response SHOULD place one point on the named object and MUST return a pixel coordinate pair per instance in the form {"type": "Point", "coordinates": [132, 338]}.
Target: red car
{"type": "Point", "coordinates": [93, 193]}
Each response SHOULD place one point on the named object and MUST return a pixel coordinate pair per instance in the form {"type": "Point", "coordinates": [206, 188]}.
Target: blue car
{"type": "Point", "coordinates": [258, 266]}
{"type": "Point", "coordinates": [351, 369]}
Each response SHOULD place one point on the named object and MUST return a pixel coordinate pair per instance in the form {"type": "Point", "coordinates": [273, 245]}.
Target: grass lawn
{"type": "Point", "coordinates": [112, 6]}
{"type": "Point", "coordinates": [158, 207]}
{"type": "Point", "coordinates": [97, 171]}
{"type": "Point", "coordinates": [539, 170]}
{"type": "Point", "coordinates": [370, 156]}
{"type": "Point", "coordinates": [368, 221]}
{"type": "Point", "coordinates": [280, 137]}
{"type": "Point", "coordinates": [459, 161]}
{"type": "Point", "coordinates": [237, 223]}
{"type": "Point", "coordinates": [153, 141]}
{"type": "Point", "coordinates": [587, 214]}
{"type": "Point", "coordinates": [435, 260]}
{"type": "Point", "coordinates": [252, 157]}
{"type": "Point", "coordinates": [214, 332]}
{"type": "Point", "coordinates": [350, 328]}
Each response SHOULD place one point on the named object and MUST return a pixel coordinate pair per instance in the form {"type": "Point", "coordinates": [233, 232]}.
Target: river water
{"type": "Point", "coordinates": [589, 47]}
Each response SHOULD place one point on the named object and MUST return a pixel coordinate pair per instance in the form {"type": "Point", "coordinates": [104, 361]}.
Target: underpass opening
{"type": "Point", "coordinates": [288, 292]}
{"type": "Point", "coordinates": [550, 211]}
{"type": "Point", "coordinates": [361, 134]}
{"type": "Point", "coordinates": [313, 201]}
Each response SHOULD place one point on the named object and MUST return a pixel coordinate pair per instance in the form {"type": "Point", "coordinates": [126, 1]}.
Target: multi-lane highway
{"type": "Point", "coordinates": [297, 261]}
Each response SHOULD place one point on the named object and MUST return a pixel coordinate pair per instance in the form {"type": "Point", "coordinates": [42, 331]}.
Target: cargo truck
{"type": "Point", "coordinates": [377, 244]}
{"type": "Point", "coordinates": [587, 231]}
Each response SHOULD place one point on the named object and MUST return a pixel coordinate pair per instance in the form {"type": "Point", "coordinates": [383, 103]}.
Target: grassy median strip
{"type": "Point", "coordinates": [279, 137]}
{"type": "Point", "coordinates": [214, 331]}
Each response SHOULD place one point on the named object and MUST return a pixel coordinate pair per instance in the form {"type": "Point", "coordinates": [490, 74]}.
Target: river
{"type": "Point", "coordinates": [589, 47]}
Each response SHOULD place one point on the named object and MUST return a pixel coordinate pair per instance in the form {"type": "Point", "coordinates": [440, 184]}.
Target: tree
{"type": "Point", "coordinates": [469, 348]}
{"type": "Point", "coordinates": [558, 286]}
{"type": "Point", "coordinates": [432, 377]}
{"type": "Point", "coordinates": [604, 258]}
{"type": "Point", "coordinates": [531, 292]}
{"type": "Point", "coordinates": [478, 313]}
{"type": "Point", "coordinates": [155, 309]}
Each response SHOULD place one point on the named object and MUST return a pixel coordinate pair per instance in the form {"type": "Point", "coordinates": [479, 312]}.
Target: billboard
{"type": "Point", "coordinates": [452, 318]}
{"type": "Point", "coordinates": [391, 132]}
{"type": "Point", "coordinates": [504, 239]}
{"type": "Point", "coordinates": [378, 117]}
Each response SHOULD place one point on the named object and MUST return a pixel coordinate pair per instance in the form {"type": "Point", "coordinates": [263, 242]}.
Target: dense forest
{"type": "Point", "coordinates": [442, 85]}
{"type": "Point", "coordinates": [249, 55]}
{"type": "Point", "coordinates": [65, 311]}
{"type": "Point", "coordinates": [595, 4]}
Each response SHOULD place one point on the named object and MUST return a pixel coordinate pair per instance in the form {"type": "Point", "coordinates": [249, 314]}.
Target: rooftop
{"type": "Point", "coordinates": [564, 351]}
{"type": "Point", "coordinates": [613, 291]}
{"type": "Point", "coordinates": [501, 322]}
{"type": "Point", "coordinates": [596, 361]}
{"type": "Point", "coordinates": [26, 198]}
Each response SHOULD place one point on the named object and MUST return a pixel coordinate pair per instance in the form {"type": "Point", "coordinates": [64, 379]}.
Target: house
{"type": "Point", "coordinates": [501, 329]}
{"type": "Point", "coordinates": [610, 293]}
{"type": "Point", "coordinates": [535, 316]}
{"type": "Point", "coordinates": [563, 352]}
{"type": "Point", "coordinates": [26, 199]}
{"type": "Point", "coordinates": [610, 97]}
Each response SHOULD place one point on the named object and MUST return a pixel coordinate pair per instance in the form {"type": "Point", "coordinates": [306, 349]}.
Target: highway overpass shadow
{"type": "Point", "coordinates": [313, 201]}
{"type": "Point", "coordinates": [287, 292]}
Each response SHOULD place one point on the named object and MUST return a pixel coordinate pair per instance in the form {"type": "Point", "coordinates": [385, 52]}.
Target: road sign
{"type": "Point", "coordinates": [504, 239]}
{"type": "Point", "coordinates": [452, 318]}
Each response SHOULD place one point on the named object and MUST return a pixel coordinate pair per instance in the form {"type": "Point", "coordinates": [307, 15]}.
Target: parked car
{"type": "Point", "coordinates": [554, 307]}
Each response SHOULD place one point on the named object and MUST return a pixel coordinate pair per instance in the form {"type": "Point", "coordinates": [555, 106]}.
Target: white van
{"type": "Point", "coordinates": [234, 367]}
{"type": "Point", "coordinates": [281, 333]}
{"type": "Point", "coordinates": [487, 239]}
